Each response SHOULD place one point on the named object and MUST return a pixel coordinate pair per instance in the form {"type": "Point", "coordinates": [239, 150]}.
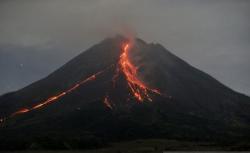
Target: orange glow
{"type": "Point", "coordinates": [107, 102]}
{"type": "Point", "coordinates": [56, 97]}
{"type": "Point", "coordinates": [139, 90]}
{"type": "Point", "coordinates": [137, 87]}
{"type": "Point", "coordinates": [24, 110]}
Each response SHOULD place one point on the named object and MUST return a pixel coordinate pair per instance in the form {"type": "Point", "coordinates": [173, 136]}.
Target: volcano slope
{"type": "Point", "coordinates": [123, 90]}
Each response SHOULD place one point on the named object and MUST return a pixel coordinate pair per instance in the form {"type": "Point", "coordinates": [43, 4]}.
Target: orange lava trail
{"type": "Point", "coordinates": [137, 87]}
{"type": "Point", "coordinates": [107, 102]}
{"type": "Point", "coordinates": [139, 90]}
{"type": "Point", "coordinates": [56, 97]}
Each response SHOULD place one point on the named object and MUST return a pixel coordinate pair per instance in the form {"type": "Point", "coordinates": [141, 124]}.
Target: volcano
{"type": "Point", "coordinates": [123, 89]}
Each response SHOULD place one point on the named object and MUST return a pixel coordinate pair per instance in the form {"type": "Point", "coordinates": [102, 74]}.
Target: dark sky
{"type": "Point", "coordinates": [38, 36]}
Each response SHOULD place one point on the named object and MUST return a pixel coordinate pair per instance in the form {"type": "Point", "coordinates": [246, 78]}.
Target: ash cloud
{"type": "Point", "coordinates": [212, 35]}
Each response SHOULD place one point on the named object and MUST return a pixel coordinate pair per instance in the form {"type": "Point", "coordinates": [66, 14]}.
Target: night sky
{"type": "Point", "coordinates": [37, 37]}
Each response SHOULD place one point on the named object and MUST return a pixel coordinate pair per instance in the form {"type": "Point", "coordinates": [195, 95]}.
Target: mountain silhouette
{"type": "Point", "coordinates": [123, 89]}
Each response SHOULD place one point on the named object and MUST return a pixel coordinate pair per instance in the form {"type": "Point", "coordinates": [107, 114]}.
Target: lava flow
{"type": "Point", "coordinates": [137, 87]}
{"type": "Point", "coordinates": [58, 96]}
{"type": "Point", "coordinates": [139, 90]}
{"type": "Point", "coordinates": [107, 102]}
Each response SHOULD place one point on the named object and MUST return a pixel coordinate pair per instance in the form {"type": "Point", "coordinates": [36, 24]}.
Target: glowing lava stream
{"type": "Point", "coordinates": [137, 87]}
{"type": "Point", "coordinates": [139, 90]}
{"type": "Point", "coordinates": [107, 102]}
{"type": "Point", "coordinates": [56, 97]}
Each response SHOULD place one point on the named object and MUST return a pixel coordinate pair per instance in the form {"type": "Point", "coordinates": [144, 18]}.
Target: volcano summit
{"type": "Point", "coordinates": [124, 90]}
